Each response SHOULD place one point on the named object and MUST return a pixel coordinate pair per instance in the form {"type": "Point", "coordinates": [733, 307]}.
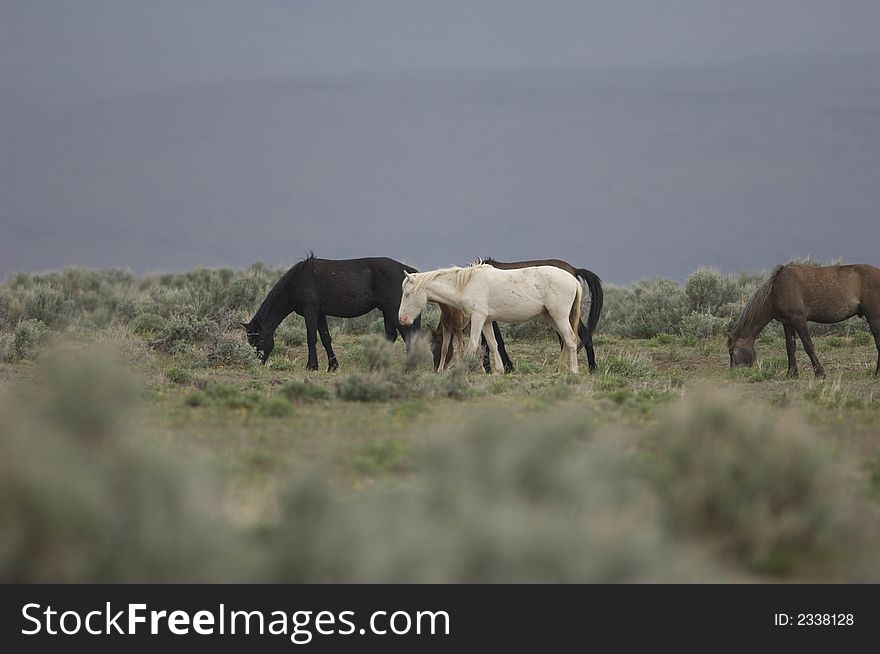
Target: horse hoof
{"type": "Point", "coordinates": [820, 374]}
{"type": "Point", "coordinates": [333, 367]}
{"type": "Point", "coordinates": [792, 374]}
{"type": "Point", "coordinates": [312, 366]}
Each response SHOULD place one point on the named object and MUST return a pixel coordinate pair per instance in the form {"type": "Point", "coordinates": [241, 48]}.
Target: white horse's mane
{"type": "Point", "coordinates": [463, 276]}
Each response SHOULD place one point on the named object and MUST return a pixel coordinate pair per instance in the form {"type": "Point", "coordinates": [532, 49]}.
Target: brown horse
{"type": "Point", "coordinates": [452, 323]}
{"type": "Point", "coordinates": [796, 293]}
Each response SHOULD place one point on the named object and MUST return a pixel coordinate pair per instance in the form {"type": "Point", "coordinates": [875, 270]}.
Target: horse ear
{"type": "Point", "coordinates": [408, 275]}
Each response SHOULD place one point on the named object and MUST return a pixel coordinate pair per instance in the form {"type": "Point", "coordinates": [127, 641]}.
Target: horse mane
{"type": "Point", "coordinates": [463, 276]}
{"type": "Point", "coordinates": [756, 304]}
{"type": "Point", "coordinates": [280, 286]}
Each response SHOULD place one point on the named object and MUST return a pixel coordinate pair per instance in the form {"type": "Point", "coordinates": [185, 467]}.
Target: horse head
{"type": "Point", "coordinates": [412, 301]}
{"type": "Point", "coordinates": [258, 339]}
{"type": "Point", "coordinates": [742, 352]}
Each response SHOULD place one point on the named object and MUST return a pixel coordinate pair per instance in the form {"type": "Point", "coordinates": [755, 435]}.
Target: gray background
{"type": "Point", "coordinates": [632, 138]}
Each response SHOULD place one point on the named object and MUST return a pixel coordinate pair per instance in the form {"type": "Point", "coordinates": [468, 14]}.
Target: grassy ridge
{"type": "Point", "coordinates": [179, 458]}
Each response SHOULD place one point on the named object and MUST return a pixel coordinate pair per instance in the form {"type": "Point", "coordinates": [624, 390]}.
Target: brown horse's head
{"type": "Point", "coordinates": [742, 352]}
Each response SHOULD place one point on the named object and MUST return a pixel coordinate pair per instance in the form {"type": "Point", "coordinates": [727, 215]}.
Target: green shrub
{"type": "Point", "coordinates": [276, 407]}
{"type": "Point", "coordinates": [304, 391]}
{"type": "Point", "coordinates": [231, 397]}
{"type": "Point", "coordinates": [7, 347]}
{"type": "Point", "coordinates": [768, 495]}
{"type": "Point", "coordinates": [418, 355]}
{"type": "Point", "coordinates": [149, 324]}
{"type": "Point", "coordinates": [376, 352]}
{"type": "Point", "coordinates": [291, 334]}
{"type": "Point", "coordinates": [30, 335]}
{"type": "Point", "coordinates": [81, 500]}
{"type": "Point", "coordinates": [364, 324]}
{"type": "Point", "coordinates": [454, 383]}
{"type": "Point", "coordinates": [632, 366]}
{"type": "Point", "coordinates": [47, 304]}
{"type": "Point", "coordinates": [531, 329]}
{"type": "Point", "coordinates": [365, 388]}
{"type": "Point", "coordinates": [653, 306]}
{"type": "Point", "coordinates": [698, 325]}
{"type": "Point", "coordinates": [179, 375]}
{"type": "Point", "coordinates": [383, 456]}
{"type": "Point", "coordinates": [496, 500]}
{"type": "Point", "coordinates": [186, 327]}
{"type": "Point", "coordinates": [832, 342]}
{"type": "Point", "coordinates": [231, 349]}
{"type": "Point", "coordinates": [708, 291]}
{"type": "Point", "coordinates": [196, 398]}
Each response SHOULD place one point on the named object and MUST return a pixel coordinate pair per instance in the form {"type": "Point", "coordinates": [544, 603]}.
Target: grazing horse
{"type": "Point", "coordinates": [484, 293]}
{"type": "Point", "coordinates": [317, 288]}
{"type": "Point", "coordinates": [794, 294]}
{"type": "Point", "coordinates": [452, 323]}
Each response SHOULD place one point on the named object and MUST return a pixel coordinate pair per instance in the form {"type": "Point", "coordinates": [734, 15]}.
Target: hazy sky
{"type": "Point", "coordinates": [633, 138]}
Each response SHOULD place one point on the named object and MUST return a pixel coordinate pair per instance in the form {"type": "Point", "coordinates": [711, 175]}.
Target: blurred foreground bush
{"type": "Point", "coordinates": [710, 493]}
{"type": "Point", "coordinates": [81, 500]}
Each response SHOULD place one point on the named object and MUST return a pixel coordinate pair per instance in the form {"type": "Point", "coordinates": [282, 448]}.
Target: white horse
{"type": "Point", "coordinates": [486, 294]}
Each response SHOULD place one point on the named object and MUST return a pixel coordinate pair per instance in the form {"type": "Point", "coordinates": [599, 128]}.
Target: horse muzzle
{"type": "Point", "coordinates": [404, 320]}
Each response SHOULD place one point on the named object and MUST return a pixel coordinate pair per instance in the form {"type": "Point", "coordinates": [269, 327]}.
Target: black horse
{"type": "Point", "coordinates": [317, 288]}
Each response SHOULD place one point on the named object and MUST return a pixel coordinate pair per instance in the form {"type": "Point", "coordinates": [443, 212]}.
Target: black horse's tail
{"type": "Point", "coordinates": [594, 284]}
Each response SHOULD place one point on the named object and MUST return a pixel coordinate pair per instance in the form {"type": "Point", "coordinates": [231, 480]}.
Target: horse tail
{"type": "Point", "coordinates": [574, 316]}
{"type": "Point", "coordinates": [596, 297]}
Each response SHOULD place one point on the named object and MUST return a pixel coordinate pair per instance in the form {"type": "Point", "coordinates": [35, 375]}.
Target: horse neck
{"type": "Point", "coordinates": [750, 330]}
{"type": "Point", "coordinates": [442, 289]}
{"type": "Point", "coordinates": [275, 308]}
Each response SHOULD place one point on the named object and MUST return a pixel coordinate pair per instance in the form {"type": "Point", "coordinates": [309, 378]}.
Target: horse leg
{"type": "Point", "coordinates": [459, 344]}
{"type": "Point", "coordinates": [874, 325]}
{"type": "Point", "coordinates": [477, 323]}
{"type": "Point", "coordinates": [562, 351]}
{"type": "Point", "coordinates": [563, 328]}
{"type": "Point", "coordinates": [489, 333]}
{"type": "Point", "coordinates": [877, 343]}
{"type": "Point", "coordinates": [804, 333]}
{"type": "Point", "coordinates": [508, 364]}
{"type": "Point", "coordinates": [484, 348]}
{"type": "Point", "coordinates": [445, 342]}
{"type": "Point", "coordinates": [586, 339]}
{"type": "Point", "coordinates": [791, 349]}
{"type": "Point", "coordinates": [311, 317]}
{"type": "Point", "coordinates": [390, 326]}
{"type": "Point", "coordinates": [324, 332]}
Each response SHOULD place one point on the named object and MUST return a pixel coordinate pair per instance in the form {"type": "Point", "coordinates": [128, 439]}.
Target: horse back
{"type": "Point", "coordinates": [515, 265]}
{"type": "Point", "coordinates": [541, 280]}
{"type": "Point", "coordinates": [824, 294]}
{"type": "Point", "coordinates": [352, 287]}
